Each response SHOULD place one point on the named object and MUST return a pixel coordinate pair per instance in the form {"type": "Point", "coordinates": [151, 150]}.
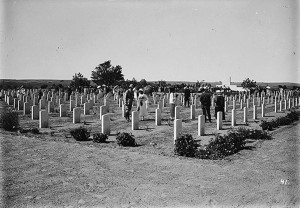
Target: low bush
{"type": "Point", "coordinates": [100, 138]}
{"type": "Point", "coordinates": [30, 130]}
{"type": "Point", "coordinates": [35, 130]}
{"type": "Point", "coordinates": [281, 121]}
{"type": "Point", "coordinates": [185, 146]}
{"type": "Point", "coordinates": [80, 134]}
{"type": "Point", "coordinates": [230, 143]}
{"type": "Point", "coordinates": [125, 139]}
{"type": "Point", "coordinates": [10, 120]}
{"type": "Point", "coordinates": [265, 125]}
{"type": "Point", "coordinates": [293, 115]}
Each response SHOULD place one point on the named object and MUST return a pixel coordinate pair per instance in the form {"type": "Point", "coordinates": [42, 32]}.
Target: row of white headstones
{"type": "Point", "coordinates": [38, 112]}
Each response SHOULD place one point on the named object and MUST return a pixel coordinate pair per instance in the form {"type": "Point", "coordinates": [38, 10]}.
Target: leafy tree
{"type": "Point", "coordinates": [143, 83]}
{"type": "Point", "coordinates": [44, 86]}
{"type": "Point", "coordinates": [107, 74]}
{"type": "Point", "coordinates": [249, 84]}
{"type": "Point", "coordinates": [79, 82]}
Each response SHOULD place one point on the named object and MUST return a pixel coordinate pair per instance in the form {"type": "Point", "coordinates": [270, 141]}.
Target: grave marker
{"type": "Point", "coordinates": [193, 109]}
{"type": "Point", "coordinates": [105, 124]}
{"type": "Point", "coordinates": [201, 125]}
{"type": "Point", "coordinates": [177, 128]}
{"type": "Point", "coordinates": [43, 119]}
{"type": "Point", "coordinates": [63, 110]}
{"type": "Point", "coordinates": [35, 112]}
{"type": "Point", "coordinates": [26, 108]}
{"type": "Point", "coordinates": [135, 120]}
{"type": "Point", "coordinates": [76, 114]}
{"type": "Point", "coordinates": [219, 120]}
{"type": "Point", "coordinates": [157, 117]}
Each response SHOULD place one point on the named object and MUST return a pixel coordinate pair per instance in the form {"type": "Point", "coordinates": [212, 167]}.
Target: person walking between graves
{"type": "Point", "coordinates": [142, 98]}
{"type": "Point", "coordinates": [187, 95]}
{"type": "Point", "coordinates": [219, 100]}
{"type": "Point", "coordinates": [128, 99]}
{"type": "Point", "coordinates": [205, 99]}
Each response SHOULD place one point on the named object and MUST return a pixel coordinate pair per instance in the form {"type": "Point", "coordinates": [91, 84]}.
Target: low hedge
{"type": "Point", "coordinates": [220, 146]}
{"type": "Point", "coordinates": [281, 121]}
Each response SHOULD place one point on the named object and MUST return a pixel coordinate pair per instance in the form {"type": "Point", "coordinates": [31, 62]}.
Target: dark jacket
{"type": "Point", "coordinates": [219, 100]}
{"type": "Point", "coordinates": [187, 93]}
{"type": "Point", "coordinates": [128, 97]}
{"type": "Point", "coordinates": [205, 99]}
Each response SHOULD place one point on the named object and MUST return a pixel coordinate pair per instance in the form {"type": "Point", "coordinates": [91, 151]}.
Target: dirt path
{"type": "Point", "coordinates": [40, 173]}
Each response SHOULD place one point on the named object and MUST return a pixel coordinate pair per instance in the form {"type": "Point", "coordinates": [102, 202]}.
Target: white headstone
{"type": "Point", "coordinates": [135, 120]}
{"type": "Point", "coordinates": [157, 117]}
{"type": "Point", "coordinates": [20, 104]}
{"type": "Point", "coordinates": [26, 108]}
{"type": "Point", "coordinates": [35, 112]}
{"type": "Point", "coordinates": [172, 110]}
{"type": "Point", "coordinates": [219, 120]}
{"type": "Point", "coordinates": [76, 115]}
{"type": "Point", "coordinates": [177, 128]}
{"type": "Point", "coordinates": [50, 107]}
{"type": "Point", "coordinates": [193, 109]}
{"type": "Point", "coordinates": [105, 124]}
{"type": "Point", "coordinates": [86, 109]}
{"type": "Point", "coordinates": [201, 125]}
{"type": "Point", "coordinates": [103, 111]}
{"type": "Point", "coordinates": [43, 119]}
{"type": "Point", "coordinates": [63, 110]}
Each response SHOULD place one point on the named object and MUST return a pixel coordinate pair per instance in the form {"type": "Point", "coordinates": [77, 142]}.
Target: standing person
{"type": "Point", "coordinates": [187, 95]}
{"type": "Point", "coordinates": [205, 99]}
{"type": "Point", "coordinates": [172, 96]}
{"type": "Point", "coordinates": [128, 99]}
{"type": "Point", "coordinates": [142, 98]}
{"type": "Point", "coordinates": [219, 100]}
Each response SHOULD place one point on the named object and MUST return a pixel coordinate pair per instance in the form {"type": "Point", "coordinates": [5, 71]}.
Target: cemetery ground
{"type": "Point", "coordinates": [52, 169]}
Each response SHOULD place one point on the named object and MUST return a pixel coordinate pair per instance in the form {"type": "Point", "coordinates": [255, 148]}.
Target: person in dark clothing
{"type": "Point", "coordinates": [128, 99]}
{"type": "Point", "coordinates": [69, 90]}
{"type": "Point", "coordinates": [187, 95]}
{"type": "Point", "coordinates": [220, 103]}
{"type": "Point", "coordinates": [40, 94]}
{"type": "Point", "coordinates": [205, 99]}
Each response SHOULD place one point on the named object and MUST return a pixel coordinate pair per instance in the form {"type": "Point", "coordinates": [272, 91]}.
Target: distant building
{"type": "Point", "coordinates": [235, 86]}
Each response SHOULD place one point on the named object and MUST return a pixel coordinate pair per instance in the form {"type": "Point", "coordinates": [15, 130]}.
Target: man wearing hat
{"type": "Point", "coordinates": [220, 103]}
{"type": "Point", "coordinates": [187, 95]}
{"type": "Point", "coordinates": [128, 99]}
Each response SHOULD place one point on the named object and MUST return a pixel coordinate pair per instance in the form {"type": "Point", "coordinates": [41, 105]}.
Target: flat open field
{"type": "Point", "coordinates": [51, 169]}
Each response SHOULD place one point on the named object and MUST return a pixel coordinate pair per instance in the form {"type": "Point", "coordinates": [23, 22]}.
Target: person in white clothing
{"type": "Point", "coordinates": [142, 98]}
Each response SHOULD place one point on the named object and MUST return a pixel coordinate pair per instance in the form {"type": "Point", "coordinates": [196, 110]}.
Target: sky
{"type": "Point", "coordinates": [172, 40]}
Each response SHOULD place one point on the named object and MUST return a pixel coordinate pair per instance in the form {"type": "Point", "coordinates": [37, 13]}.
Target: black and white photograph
{"type": "Point", "coordinates": [149, 103]}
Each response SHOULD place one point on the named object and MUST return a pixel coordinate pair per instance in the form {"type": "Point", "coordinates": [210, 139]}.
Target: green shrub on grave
{"type": "Point", "coordinates": [100, 138]}
{"type": "Point", "coordinates": [231, 143]}
{"type": "Point", "coordinates": [10, 120]}
{"type": "Point", "coordinates": [80, 134]}
{"type": "Point", "coordinates": [126, 139]}
{"type": "Point", "coordinates": [185, 146]}
{"type": "Point", "coordinates": [281, 121]}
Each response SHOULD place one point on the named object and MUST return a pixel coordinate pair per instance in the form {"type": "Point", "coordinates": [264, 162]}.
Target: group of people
{"type": "Point", "coordinates": [219, 100]}
{"type": "Point", "coordinates": [205, 99]}
{"type": "Point", "coordinates": [141, 102]}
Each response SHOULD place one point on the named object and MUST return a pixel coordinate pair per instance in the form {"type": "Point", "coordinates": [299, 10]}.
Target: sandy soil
{"type": "Point", "coordinates": [51, 169]}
